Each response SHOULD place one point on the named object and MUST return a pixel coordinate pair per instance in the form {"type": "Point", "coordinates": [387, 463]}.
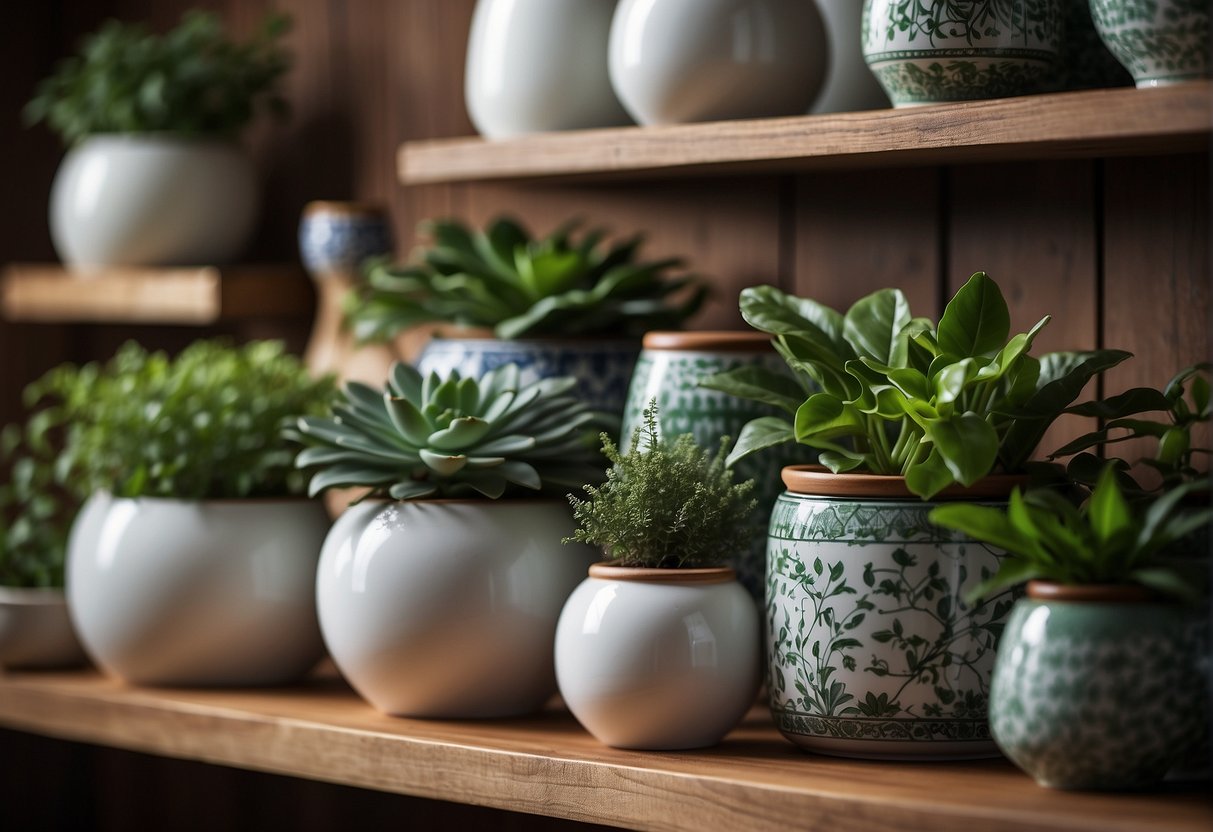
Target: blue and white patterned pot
{"type": "Point", "coordinates": [1160, 42]}
{"type": "Point", "coordinates": [339, 236]}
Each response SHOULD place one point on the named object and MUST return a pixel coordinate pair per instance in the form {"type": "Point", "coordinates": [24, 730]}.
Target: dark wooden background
{"type": "Point", "coordinates": [1117, 251]}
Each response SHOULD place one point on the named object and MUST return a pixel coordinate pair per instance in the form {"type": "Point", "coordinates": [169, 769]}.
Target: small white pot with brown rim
{"type": "Point", "coordinates": [35, 631]}
{"type": "Point", "coordinates": [658, 659]}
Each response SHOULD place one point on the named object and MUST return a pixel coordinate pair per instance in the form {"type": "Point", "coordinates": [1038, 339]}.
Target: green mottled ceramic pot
{"type": "Point", "coordinates": [1100, 687]}
{"type": "Point", "coordinates": [872, 650]}
{"type": "Point", "coordinates": [1160, 42]}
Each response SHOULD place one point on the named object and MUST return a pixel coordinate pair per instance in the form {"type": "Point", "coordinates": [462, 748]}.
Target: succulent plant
{"type": "Point", "coordinates": [518, 286]}
{"type": "Point", "coordinates": [436, 437]}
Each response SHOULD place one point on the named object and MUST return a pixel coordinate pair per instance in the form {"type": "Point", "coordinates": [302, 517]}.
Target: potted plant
{"type": "Point", "coordinates": [192, 560]}
{"type": "Point", "coordinates": [153, 176]}
{"type": "Point", "coordinates": [1101, 677]}
{"type": "Point", "coordinates": [873, 650]}
{"type": "Point", "coordinates": [35, 631]}
{"type": "Point", "coordinates": [560, 305]}
{"type": "Point", "coordinates": [438, 595]}
{"type": "Point", "coordinates": [659, 647]}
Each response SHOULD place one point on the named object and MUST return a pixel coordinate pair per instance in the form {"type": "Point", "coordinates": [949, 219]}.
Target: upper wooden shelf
{"type": "Point", "coordinates": [1110, 122]}
{"type": "Point", "coordinates": [193, 296]}
{"type": "Point", "coordinates": [547, 765]}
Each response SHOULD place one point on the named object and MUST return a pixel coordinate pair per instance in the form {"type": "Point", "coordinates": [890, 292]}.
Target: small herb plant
{"type": "Point", "coordinates": [518, 286]}
{"type": "Point", "coordinates": [1107, 540]}
{"type": "Point", "coordinates": [880, 391]}
{"type": "Point", "coordinates": [454, 437]}
{"type": "Point", "coordinates": [35, 514]}
{"type": "Point", "coordinates": [665, 504]}
{"type": "Point", "coordinates": [192, 81]}
{"type": "Point", "coordinates": [204, 425]}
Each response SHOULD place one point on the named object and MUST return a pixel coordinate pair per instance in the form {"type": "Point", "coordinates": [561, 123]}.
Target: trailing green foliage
{"type": "Point", "coordinates": [1108, 540]}
{"type": "Point", "coordinates": [453, 437]}
{"type": "Point", "coordinates": [503, 279]}
{"type": "Point", "coordinates": [192, 81]}
{"type": "Point", "coordinates": [665, 503]}
{"type": "Point", "coordinates": [35, 514]}
{"type": "Point", "coordinates": [204, 425]}
{"type": "Point", "coordinates": [884, 392]}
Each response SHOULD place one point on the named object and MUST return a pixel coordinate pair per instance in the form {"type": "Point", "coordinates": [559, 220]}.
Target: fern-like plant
{"type": "Point", "coordinates": [35, 513]}
{"type": "Point", "coordinates": [518, 286]}
{"type": "Point", "coordinates": [452, 437]}
{"type": "Point", "coordinates": [665, 504]}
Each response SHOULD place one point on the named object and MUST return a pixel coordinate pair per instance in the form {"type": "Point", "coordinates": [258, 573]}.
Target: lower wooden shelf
{"type": "Point", "coordinates": [547, 765]}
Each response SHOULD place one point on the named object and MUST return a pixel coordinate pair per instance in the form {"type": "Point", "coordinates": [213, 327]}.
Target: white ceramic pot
{"type": "Point", "coordinates": [137, 200]}
{"type": "Point", "coordinates": [675, 61]}
{"type": "Point", "coordinates": [447, 608]}
{"type": "Point", "coordinates": [35, 631]}
{"type": "Point", "coordinates": [535, 65]}
{"type": "Point", "coordinates": [849, 84]}
{"type": "Point", "coordinates": [658, 659]}
{"type": "Point", "coordinates": [175, 592]}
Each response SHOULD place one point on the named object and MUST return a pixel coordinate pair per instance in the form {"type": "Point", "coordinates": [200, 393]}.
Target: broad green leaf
{"type": "Point", "coordinates": [758, 384]}
{"type": "Point", "coordinates": [872, 325]}
{"type": "Point", "coordinates": [1108, 511]}
{"type": "Point", "coordinates": [968, 445]}
{"type": "Point", "coordinates": [758, 434]}
{"type": "Point", "coordinates": [1128, 403]}
{"type": "Point", "coordinates": [823, 416]}
{"type": "Point", "coordinates": [951, 381]}
{"type": "Point", "coordinates": [983, 523]}
{"type": "Point", "coordinates": [976, 321]}
{"type": "Point", "coordinates": [840, 461]}
{"type": "Point", "coordinates": [767, 309]}
{"type": "Point", "coordinates": [929, 477]}
{"type": "Point", "coordinates": [461, 434]}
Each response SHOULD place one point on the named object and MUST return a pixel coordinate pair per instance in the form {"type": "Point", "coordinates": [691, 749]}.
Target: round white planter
{"type": "Point", "coordinates": [447, 608]}
{"type": "Point", "coordinates": [849, 84]}
{"type": "Point", "coordinates": [35, 631]}
{"type": "Point", "coordinates": [535, 65]}
{"type": "Point", "coordinates": [174, 592]}
{"type": "Point", "coordinates": [658, 659]}
{"type": "Point", "coordinates": [137, 200]}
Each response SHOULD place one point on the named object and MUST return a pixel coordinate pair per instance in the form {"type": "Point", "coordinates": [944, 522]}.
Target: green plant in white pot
{"type": "Point", "coordinates": [873, 650]}
{"type": "Point", "coordinates": [659, 647]}
{"type": "Point", "coordinates": [153, 174]}
{"type": "Point", "coordinates": [438, 593]}
{"type": "Point", "coordinates": [192, 560]}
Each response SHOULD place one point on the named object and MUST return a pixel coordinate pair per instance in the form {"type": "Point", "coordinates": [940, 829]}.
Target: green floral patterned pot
{"type": "Point", "coordinates": [872, 651]}
{"type": "Point", "coordinates": [1159, 41]}
{"type": "Point", "coordinates": [957, 50]}
{"type": "Point", "coordinates": [1100, 687]}
{"type": "Point", "coordinates": [669, 369]}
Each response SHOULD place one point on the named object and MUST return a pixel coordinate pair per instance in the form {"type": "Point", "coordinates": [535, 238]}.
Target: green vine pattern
{"type": "Point", "coordinates": [961, 80]}
{"type": "Point", "coordinates": [974, 21]}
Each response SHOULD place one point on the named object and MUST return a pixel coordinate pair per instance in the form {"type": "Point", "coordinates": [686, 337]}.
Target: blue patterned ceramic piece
{"type": "Point", "coordinates": [338, 236]}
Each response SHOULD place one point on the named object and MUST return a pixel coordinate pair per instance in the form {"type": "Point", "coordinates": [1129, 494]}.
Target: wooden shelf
{"type": "Point", "coordinates": [181, 296]}
{"type": "Point", "coordinates": [547, 765]}
{"type": "Point", "coordinates": [1111, 122]}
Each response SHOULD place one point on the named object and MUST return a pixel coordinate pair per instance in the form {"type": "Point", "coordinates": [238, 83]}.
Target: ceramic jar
{"type": "Point", "coordinates": [924, 53]}
{"type": "Point", "coordinates": [35, 631]}
{"type": "Point", "coordinates": [1100, 687]}
{"type": "Point", "coordinates": [676, 61]}
{"type": "Point", "coordinates": [1160, 42]}
{"type": "Point", "coordinates": [120, 200]}
{"type": "Point", "coordinates": [447, 608]}
{"type": "Point", "coordinates": [849, 83]}
{"type": "Point", "coordinates": [177, 592]}
{"type": "Point", "coordinates": [535, 65]}
{"type": "Point", "coordinates": [872, 650]}
{"type": "Point", "coordinates": [658, 659]}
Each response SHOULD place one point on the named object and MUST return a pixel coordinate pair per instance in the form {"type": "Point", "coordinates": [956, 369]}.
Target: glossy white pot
{"type": "Point", "coordinates": [35, 631]}
{"type": "Point", "coordinates": [135, 200]}
{"type": "Point", "coordinates": [175, 592]}
{"type": "Point", "coordinates": [658, 659]}
{"type": "Point", "coordinates": [676, 61]}
{"type": "Point", "coordinates": [849, 83]}
{"type": "Point", "coordinates": [447, 608]}
{"type": "Point", "coordinates": [535, 65]}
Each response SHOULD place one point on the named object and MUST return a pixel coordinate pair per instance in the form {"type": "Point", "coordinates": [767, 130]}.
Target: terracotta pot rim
{"type": "Point", "coordinates": [819, 481]}
{"type": "Point", "coordinates": [708, 341]}
{"type": "Point", "coordinates": [652, 575]}
{"type": "Point", "coordinates": [352, 207]}
{"type": "Point", "coordinates": [1040, 590]}
{"type": "Point", "coordinates": [33, 596]}
{"type": "Point", "coordinates": [477, 335]}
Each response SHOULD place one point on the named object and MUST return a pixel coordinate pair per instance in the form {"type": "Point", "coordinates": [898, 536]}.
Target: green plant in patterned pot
{"type": "Point", "coordinates": [873, 648]}
{"type": "Point", "coordinates": [1101, 680]}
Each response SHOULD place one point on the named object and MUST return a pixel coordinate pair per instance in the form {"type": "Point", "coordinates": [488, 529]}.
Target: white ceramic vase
{"type": "Point", "coordinates": [136, 200]}
{"type": "Point", "coordinates": [849, 84]}
{"type": "Point", "coordinates": [35, 631]}
{"type": "Point", "coordinates": [447, 608]}
{"type": "Point", "coordinates": [536, 65]}
{"type": "Point", "coordinates": [675, 61]}
{"type": "Point", "coordinates": [658, 659]}
{"type": "Point", "coordinates": [176, 592]}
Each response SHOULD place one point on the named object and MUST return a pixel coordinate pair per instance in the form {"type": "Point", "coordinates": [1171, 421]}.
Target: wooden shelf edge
{"type": "Point", "coordinates": [547, 765]}
{"type": "Point", "coordinates": [1108, 122]}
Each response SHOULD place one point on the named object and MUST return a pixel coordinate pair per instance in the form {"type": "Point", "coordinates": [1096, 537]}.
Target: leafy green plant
{"type": "Point", "coordinates": [204, 425]}
{"type": "Point", "coordinates": [665, 503]}
{"type": "Point", "coordinates": [35, 514]}
{"type": "Point", "coordinates": [192, 81]}
{"type": "Point", "coordinates": [881, 391]}
{"type": "Point", "coordinates": [436, 437]}
{"type": "Point", "coordinates": [1107, 540]}
{"type": "Point", "coordinates": [503, 279]}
